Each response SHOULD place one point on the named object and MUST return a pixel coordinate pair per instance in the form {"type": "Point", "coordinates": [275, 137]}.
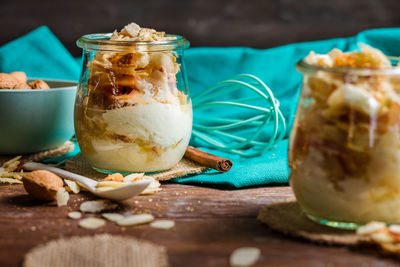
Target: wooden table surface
{"type": "Point", "coordinates": [210, 224]}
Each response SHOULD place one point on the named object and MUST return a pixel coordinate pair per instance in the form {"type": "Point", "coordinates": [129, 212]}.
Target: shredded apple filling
{"type": "Point", "coordinates": [125, 78]}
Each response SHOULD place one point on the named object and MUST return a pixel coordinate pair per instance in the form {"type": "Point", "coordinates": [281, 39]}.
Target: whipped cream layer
{"type": "Point", "coordinates": [152, 137]}
{"type": "Point", "coordinates": [161, 124]}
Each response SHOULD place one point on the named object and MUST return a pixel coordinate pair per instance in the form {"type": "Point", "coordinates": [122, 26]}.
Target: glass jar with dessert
{"type": "Point", "coordinates": [133, 112]}
{"type": "Point", "coordinates": [345, 143]}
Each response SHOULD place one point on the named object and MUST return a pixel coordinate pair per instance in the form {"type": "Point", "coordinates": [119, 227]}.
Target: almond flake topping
{"type": "Point", "coordinates": [97, 206]}
{"type": "Point", "coordinates": [135, 219]}
{"type": "Point", "coordinates": [62, 197]}
{"type": "Point", "coordinates": [245, 256]}
{"type": "Point", "coordinates": [92, 223]}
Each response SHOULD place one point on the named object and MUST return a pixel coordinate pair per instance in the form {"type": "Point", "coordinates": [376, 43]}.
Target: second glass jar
{"type": "Point", "coordinates": [345, 146]}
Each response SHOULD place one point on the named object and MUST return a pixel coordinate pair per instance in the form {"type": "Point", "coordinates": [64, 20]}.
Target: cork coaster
{"type": "Point", "coordinates": [95, 251]}
{"type": "Point", "coordinates": [288, 219]}
{"type": "Point", "coordinates": [52, 153]}
{"type": "Point", "coordinates": [79, 165]}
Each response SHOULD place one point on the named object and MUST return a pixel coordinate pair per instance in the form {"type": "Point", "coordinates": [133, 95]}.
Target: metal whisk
{"type": "Point", "coordinates": [250, 129]}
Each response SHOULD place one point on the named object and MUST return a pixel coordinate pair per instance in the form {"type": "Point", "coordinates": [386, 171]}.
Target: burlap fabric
{"type": "Point", "coordinates": [52, 153]}
{"type": "Point", "coordinates": [97, 251]}
{"type": "Point", "coordinates": [79, 165]}
{"type": "Point", "coordinates": [288, 219]}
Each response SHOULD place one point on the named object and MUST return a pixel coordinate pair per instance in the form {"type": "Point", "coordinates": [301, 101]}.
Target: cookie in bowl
{"type": "Point", "coordinates": [35, 114]}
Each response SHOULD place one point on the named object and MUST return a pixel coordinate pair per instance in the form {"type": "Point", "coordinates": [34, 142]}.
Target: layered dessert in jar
{"type": "Point", "coordinates": [130, 115]}
{"type": "Point", "coordinates": [345, 143]}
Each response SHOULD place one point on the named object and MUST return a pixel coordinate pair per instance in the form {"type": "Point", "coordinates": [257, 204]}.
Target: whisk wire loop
{"type": "Point", "coordinates": [243, 134]}
{"type": "Point", "coordinates": [228, 103]}
{"type": "Point", "coordinates": [239, 123]}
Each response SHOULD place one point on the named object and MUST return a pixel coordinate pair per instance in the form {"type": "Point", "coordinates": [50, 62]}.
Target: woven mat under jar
{"type": "Point", "coordinates": [79, 165]}
{"type": "Point", "coordinates": [288, 219]}
{"type": "Point", "coordinates": [97, 251]}
{"type": "Point", "coordinates": [39, 156]}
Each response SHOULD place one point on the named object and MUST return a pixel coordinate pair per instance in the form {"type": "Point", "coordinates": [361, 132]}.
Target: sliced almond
{"type": "Point", "coordinates": [92, 223]}
{"type": "Point", "coordinates": [5, 174]}
{"type": "Point", "coordinates": [135, 219]}
{"type": "Point", "coordinates": [113, 217]}
{"type": "Point", "coordinates": [163, 224]}
{"type": "Point", "coordinates": [15, 175]}
{"type": "Point", "coordinates": [62, 197]}
{"type": "Point", "coordinates": [74, 215]}
{"type": "Point", "coordinates": [394, 228]}
{"type": "Point", "coordinates": [393, 248]}
{"type": "Point", "coordinates": [134, 177]}
{"type": "Point", "coordinates": [97, 205]}
{"type": "Point", "coordinates": [245, 256]}
{"type": "Point", "coordinates": [153, 187]}
{"type": "Point", "coordinates": [112, 184]}
{"type": "Point", "coordinates": [73, 186]}
{"type": "Point", "coordinates": [102, 189]}
{"type": "Point", "coordinates": [381, 237]}
{"type": "Point", "coordinates": [12, 166]}
{"type": "Point", "coordinates": [11, 161]}
{"type": "Point", "coordinates": [10, 181]}
{"type": "Point", "coordinates": [150, 191]}
{"type": "Point", "coordinates": [370, 228]}
{"type": "Point", "coordinates": [82, 187]}
{"type": "Point", "coordinates": [116, 177]}
{"type": "Point", "coordinates": [18, 175]}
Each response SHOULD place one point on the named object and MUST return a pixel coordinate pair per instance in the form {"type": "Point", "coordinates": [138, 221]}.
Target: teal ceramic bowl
{"type": "Point", "coordinates": [36, 120]}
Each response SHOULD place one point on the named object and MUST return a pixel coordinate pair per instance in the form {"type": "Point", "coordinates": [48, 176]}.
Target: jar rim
{"type": "Point", "coordinates": [102, 42]}
{"type": "Point", "coordinates": [306, 68]}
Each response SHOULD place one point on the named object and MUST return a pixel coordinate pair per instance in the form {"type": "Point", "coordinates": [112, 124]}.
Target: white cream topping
{"type": "Point", "coordinates": [355, 97]}
{"type": "Point", "coordinates": [360, 99]}
{"type": "Point", "coordinates": [160, 124]}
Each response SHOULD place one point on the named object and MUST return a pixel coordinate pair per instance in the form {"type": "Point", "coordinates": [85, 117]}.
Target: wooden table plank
{"type": "Point", "coordinates": [210, 224]}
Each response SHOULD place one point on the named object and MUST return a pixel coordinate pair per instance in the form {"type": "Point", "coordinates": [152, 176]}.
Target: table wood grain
{"type": "Point", "coordinates": [210, 224]}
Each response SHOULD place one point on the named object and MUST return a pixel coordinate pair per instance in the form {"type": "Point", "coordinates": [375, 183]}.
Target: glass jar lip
{"type": "Point", "coordinates": [102, 42]}
{"type": "Point", "coordinates": [307, 68]}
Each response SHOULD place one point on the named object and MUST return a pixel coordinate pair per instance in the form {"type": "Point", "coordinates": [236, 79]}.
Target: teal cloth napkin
{"type": "Point", "coordinates": [205, 67]}
{"type": "Point", "coordinates": [40, 55]}
{"type": "Point", "coordinates": [276, 67]}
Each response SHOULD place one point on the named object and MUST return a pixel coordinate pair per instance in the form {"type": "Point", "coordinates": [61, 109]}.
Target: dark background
{"type": "Point", "coordinates": [255, 23]}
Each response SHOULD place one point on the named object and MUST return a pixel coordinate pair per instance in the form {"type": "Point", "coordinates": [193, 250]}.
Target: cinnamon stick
{"type": "Point", "coordinates": [208, 160]}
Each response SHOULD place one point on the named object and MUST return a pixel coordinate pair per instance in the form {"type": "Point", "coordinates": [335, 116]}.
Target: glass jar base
{"type": "Point", "coordinates": [122, 172]}
{"type": "Point", "coordinates": [109, 172]}
{"type": "Point", "coordinates": [334, 224]}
